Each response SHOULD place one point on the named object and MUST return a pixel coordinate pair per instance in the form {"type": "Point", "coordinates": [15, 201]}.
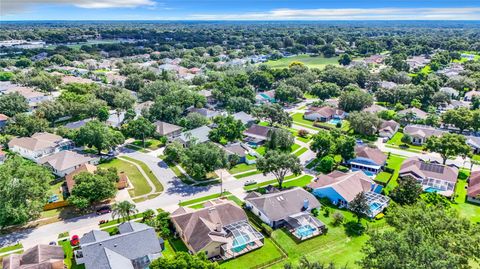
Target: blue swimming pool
{"type": "Point", "coordinates": [305, 231]}
{"type": "Point", "coordinates": [335, 121]}
{"type": "Point", "coordinates": [240, 243]}
{"type": "Point", "coordinates": [431, 189]}
{"type": "Point", "coordinates": [374, 207]}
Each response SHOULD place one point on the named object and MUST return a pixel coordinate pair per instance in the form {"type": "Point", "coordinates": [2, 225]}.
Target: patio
{"type": "Point", "coordinates": [303, 226]}
{"type": "Point", "coordinates": [377, 203]}
{"type": "Point", "coordinates": [241, 238]}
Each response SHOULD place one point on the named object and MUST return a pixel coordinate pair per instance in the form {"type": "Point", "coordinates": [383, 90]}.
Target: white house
{"type": "Point", "coordinates": [39, 145]}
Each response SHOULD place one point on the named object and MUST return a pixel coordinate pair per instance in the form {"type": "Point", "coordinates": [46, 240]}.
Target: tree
{"type": "Point", "coordinates": [448, 145]}
{"type": "Point", "coordinates": [407, 192]}
{"type": "Point", "coordinates": [228, 128]}
{"type": "Point", "coordinates": [91, 188]}
{"type": "Point", "coordinates": [322, 144]}
{"type": "Point", "coordinates": [364, 123]}
{"type": "Point", "coordinates": [280, 139]}
{"type": "Point", "coordinates": [24, 190]}
{"type": "Point", "coordinates": [325, 90]}
{"type": "Point", "coordinates": [273, 114]}
{"type": "Point", "coordinates": [173, 152]}
{"type": "Point", "coordinates": [51, 111]}
{"type": "Point", "coordinates": [161, 223]}
{"type": "Point", "coordinates": [287, 93]}
{"type": "Point", "coordinates": [184, 260]}
{"type": "Point", "coordinates": [140, 128]}
{"type": "Point", "coordinates": [354, 100]}
{"type": "Point", "coordinates": [103, 114]}
{"type": "Point", "coordinates": [134, 82]}
{"type": "Point", "coordinates": [423, 236]}
{"type": "Point", "coordinates": [261, 80]}
{"type": "Point", "coordinates": [326, 164]}
{"type": "Point", "coordinates": [124, 210]}
{"type": "Point", "coordinates": [238, 103]}
{"type": "Point", "coordinates": [460, 117]}
{"type": "Point", "coordinates": [25, 125]}
{"type": "Point", "coordinates": [345, 59]}
{"type": "Point", "coordinates": [12, 104]}
{"type": "Point", "coordinates": [345, 146]}
{"type": "Point", "coordinates": [98, 135]}
{"type": "Point", "coordinates": [279, 163]}
{"type": "Point", "coordinates": [193, 120]}
{"type": "Point", "coordinates": [201, 159]}
{"type": "Point", "coordinates": [123, 101]}
{"type": "Point", "coordinates": [359, 206]}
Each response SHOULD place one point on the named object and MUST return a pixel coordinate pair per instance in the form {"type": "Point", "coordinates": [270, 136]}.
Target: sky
{"type": "Point", "coordinates": [239, 10]}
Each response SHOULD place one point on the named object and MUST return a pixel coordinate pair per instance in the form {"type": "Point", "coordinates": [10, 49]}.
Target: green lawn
{"type": "Point", "coordinates": [56, 189]}
{"type": "Point", "coordinates": [202, 199]}
{"type": "Point", "coordinates": [307, 60]}
{"type": "Point", "coordinates": [313, 163]}
{"type": "Point", "coordinates": [118, 221]}
{"type": "Point", "coordinates": [151, 144]}
{"type": "Point", "coordinates": [247, 174]}
{"type": "Point", "coordinates": [140, 184]}
{"type": "Point", "coordinates": [383, 177]}
{"type": "Point", "coordinates": [179, 173]}
{"type": "Point", "coordinates": [299, 120]}
{"type": "Point", "coordinates": [294, 147]}
{"type": "Point", "coordinates": [69, 259]}
{"type": "Point", "coordinates": [394, 162]}
{"type": "Point", "coordinates": [242, 167]}
{"type": "Point", "coordinates": [396, 140]}
{"type": "Point", "coordinates": [466, 210]}
{"type": "Point", "coordinates": [299, 182]}
{"type": "Point", "coordinates": [268, 252]}
{"type": "Point", "coordinates": [146, 169]}
{"type": "Point", "coordinates": [261, 150]}
{"type": "Point", "coordinates": [11, 248]}
{"type": "Point", "coordinates": [300, 152]}
{"type": "Point", "coordinates": [269, 182]}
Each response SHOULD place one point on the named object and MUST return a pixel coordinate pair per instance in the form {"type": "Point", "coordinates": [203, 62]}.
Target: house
{"type": "Point", "coordinates": [145, 106]}
{"type": "Point", "coordinates": [115, 119]}
{"type": "Point", "coordinates": [135, 247]}
{"type": "Point", "coordinates": [65, 162]}
{"type": "Point", "coordinates": [324, 113]}
{"type": "Point", "coordinates": [166, 129]}
{"type": "Point", "coordinates": [37, 257]}
{"type": "Point", "coordinates": [238, 149]}
{"type": "Point", "coordinates": [245, 118]}
{"type": "Point", "coordinates": [473, 191]}
{"type": "Point", "coordinates": [220, 230]}
{"type": "Point", "coordinates": [84, 168]}
{"type": "Point", "coordinates": [417, 114]}
{"type": "Point", "coordinates": [417, 61]}
{"type": "Point", "coordinates": [73, 79]}
{"type": "Point", "coordinates": [34, 98]}
{"type": "Point", "coordinates": [369, 160]}
{"type": "Point", "coordinates": [39, 145]}
{"type": "Point", "coordinates": [449, 91]}
{"type": "Point", "coordinates": [374, 59]}
{"type": "Point", "coordinates": [433, 177]}
{"type": "Point", "coordinates": [256, 134]}
{"type": "Point", "coordinates": [200, 135]}
{"type": "Point", "coordinates": [77, 124]}
{"type": "Point", "coordinates": [265, 97]}
{"type": "Point", "coordinates": [375, 109]}
{"type": "Point", "coordinates": [341, 188]}
{"type": "Point", "coordinates": [208, 95]}
{"type": "Point", "coordinates": [3, 120]}
{"type": "Point", "coordinates": [470, 95]}
{"type": "Point", "coordinates": [208, 113]}
{"type": "Point", "coordinates": [3, 156]}
{"type": "Point", "coordinates": [388, 129]}
{"type": "Point", "coordinates": [289, 208]}
{"type": "Point", "coordinates": [420, 133]}
{"type": "Point", "coordinates": [389, 85]}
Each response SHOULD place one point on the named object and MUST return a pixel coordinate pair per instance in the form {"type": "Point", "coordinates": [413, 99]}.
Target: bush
{"type": "Point", "coordinates": [303, 133]}
{"type": "Point", "coordinates": [342, 168]}
{"type": "Point", "coordinates": [326, 212]}
{"type": "Point", "coordinates": [114, 231]}
{"type": "Point", "coordinates": [267, 229]}
{"type": "Point", "coordinates": [338, 218]}
{"type": "Point", "coordinates": [315, 212]}
{"type": "Point", "coordinates": [326, 164]}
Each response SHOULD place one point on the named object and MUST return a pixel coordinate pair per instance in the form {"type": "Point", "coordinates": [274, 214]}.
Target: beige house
{"type": "Point", "coordinates": [64, 162]}
{"type": "Point", "coordinates": [166, 129]}
{"type": "Point", "coordinates": [220, 229]}
{"type": "Point", "coordinates": [39, 145]}
{"type": "Point", "coordinates": [38, 257]}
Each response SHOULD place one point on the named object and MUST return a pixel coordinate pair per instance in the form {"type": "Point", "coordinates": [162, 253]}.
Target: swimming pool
{"type": "Point", "coordinates": [240, 243]}
{"type": "Point", "coordinates": [374, 207]}
{"type": "Point", "coordinates": [335, 121]}
{"type": "Point", "coordinates": [432, 189]}
{"type": "Point", "coordinates": [305, 231]}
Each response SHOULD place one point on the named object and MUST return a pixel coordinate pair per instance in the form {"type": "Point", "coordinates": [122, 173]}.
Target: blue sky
{"type": "Point", "coordinates": [240, 9]}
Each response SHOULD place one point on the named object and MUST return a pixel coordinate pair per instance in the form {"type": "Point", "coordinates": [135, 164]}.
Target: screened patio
{"type": "Point", "coordinates": [241, 238]}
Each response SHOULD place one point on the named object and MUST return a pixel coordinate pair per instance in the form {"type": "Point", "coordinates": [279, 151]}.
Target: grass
{"type": "Point", "coordinates": [466, 210]}
{"type": "Point", "coordinates": [383, 177]}
{"type": "Point", "coordinates": [148, 171]}
{"type": "Point", "coordinates": [242, 167]}
{"type": "Point", "coordinates": [307, 60]}
{"type": "Point", "coordinates": [394, 162]}
{"type": "Point", "coordinates": [299, 182]}
{"type": "Point", "coordinates": [294, 147]}
{"type": "Point", "coordinates": [64, 234]}
{"type": "Point", "coordinates": [140, 184]}
{"type": "Point", "coordinates": [179, 173]}
{"type": "Point", "coordinates": [268, 252]}
{"type": "Point", "coordinates": [247, 174]}
{"type": "Point", "coordinates": [202, 199]}
{"type": "Point", "coordinates": [178, 244]}
{"type": "Point", "coordinates": [11, 248]}
{"type": "Point", "coordinates": [69, 259]}
{"type": "Point", "coordinates": [56, 189]}
{"type": "Point", "coordinates": [300, 151]}
{"type": "Point", "coordinates": [313, 163]}
{"type": "Point", "coordinates": [299, 120]}
{"type": "Point", "coordinates": [118, 221]}
{"type": "Point", "coordinates": [266, 183]}
{"type": "Point", "coordinates": [261, 150]}
{"type": "Point", "coordinates": [396, 141]}
{"type": "Point", "coordinates": [151, 144]}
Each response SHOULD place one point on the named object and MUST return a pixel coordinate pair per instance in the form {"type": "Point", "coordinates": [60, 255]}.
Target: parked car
{"type": "Point", "coordinates": [104, 210]}
{"type": "Point", "coordinates": [249, 182]}
{"type": "Point", "coordinates": [75, 240]}
{"type": "Point", "coordinates": [53, 243]}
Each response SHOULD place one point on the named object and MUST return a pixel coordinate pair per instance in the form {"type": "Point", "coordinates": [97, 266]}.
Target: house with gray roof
{"type": "Point", "coordinates": [256, 134]}
{"type": "Point", "coordinates": [166, 129]}
{"type": "Point", "coordinates": [388, 129]}
{"type": "Point", "coordinates": [200, 135]}
{"type": "Point", "coordinates": [244, 118]}
{"type": "Point", "coordinates": [289, 208]}
{"type": "Point", "coordinates": [64, 162]}
{"type": "Point", "coordinates": [449, 91]}
{"type": "Point", "coordinates": [37, 257]}
{"type": "Point", "coordinates": [39, 145]}
{"type": "Point", "coordinates": [420, 133]}
{"type": "Point", "coordinates": [208, 113]}
{"type": "Point", "coordinates": [135, 247]}
{"type": "Point", "coordinates": [417, 113]}
{"type": "Point", "coordinates": [220, 229]}
{"type": "Point", "coordinates": [474, 143]}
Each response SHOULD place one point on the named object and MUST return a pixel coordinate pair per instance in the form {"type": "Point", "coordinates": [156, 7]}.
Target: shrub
{"type": "Point", "coordinates": [114, 231]}
{"type": "Point", "coordinates": [326, 164]}
{"type": "Point", "coordinates": [315, 212]}
{"type": "Point", "coordinates": [303, 133]}
{"type": "Point", "coordinates": [326, 212]}
{"type": "Point", "coordinates": [267, 229]}
{"type": "Point", "coordinates": [342, 168]}
{"type": "Point", "coordinates": [338, 218]}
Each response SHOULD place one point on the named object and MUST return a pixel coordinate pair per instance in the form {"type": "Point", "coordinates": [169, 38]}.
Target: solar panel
{"type": "Point", "coordinates": [430, 167]}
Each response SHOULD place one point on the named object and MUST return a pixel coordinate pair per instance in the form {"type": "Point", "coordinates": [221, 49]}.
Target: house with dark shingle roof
{"type": "Point", "coordinates": [220, 229]}
{"type": "Point", "coordinates": [166, 129]}
{"type": "Point", "coordinates": [473, 192]}
{"type": "Point", "coordinates": [37, 257]}
{"type": "Point", "coordinates": [289, 208]}
{"type": "Point", "coordinates": [135, 247]}
{"type": "Point", "coordinates": [369, 160]}
{"type": "Point", "coordinates": [388, 129]}
{"type": "Point", "coordinates": [417, 113]}
{"type": "Point", "coordinates": [433, 177]}
{"type": "Point", "coordinates": [256, 134]}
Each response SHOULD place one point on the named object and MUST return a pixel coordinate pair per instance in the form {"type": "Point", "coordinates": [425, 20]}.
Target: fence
{"type": "Point", "coordinates": [55, 205]}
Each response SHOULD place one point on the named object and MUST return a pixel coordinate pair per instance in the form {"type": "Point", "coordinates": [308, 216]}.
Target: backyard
{"type": "Point", "coordinates": [394, 162]}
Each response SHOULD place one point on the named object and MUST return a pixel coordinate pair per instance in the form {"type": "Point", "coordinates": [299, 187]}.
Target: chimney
{"type": "Point", "coordinates": [305, 204]}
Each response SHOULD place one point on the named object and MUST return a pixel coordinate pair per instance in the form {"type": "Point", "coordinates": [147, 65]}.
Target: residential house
{"type": "Point", "coordinates": [341, 188]}
{"type": "Point", "coordinates": [265, 97]}
{"type": "Point", "coordinates": [245, 118]}
{"type": "Point", "coordinates": [389, 85]}
{"type": "Point", "coordinates": [417, 61]}
{"type": "Point", "coordinates": [135, 247]}
{"type": "Point", "coordinates": [3, 156]}
{"type": "Point", "coordinates": [256, 134]}
{"type": "Point", "coordinates": [3, 120]}
{"type": "Point", "coordinates": [220, 230]}
{"type": "Point", "coordinates": [433, 177]}
{"type": "Point", "coordinates": [73, 79]}
{"type": "Point", "coordinates": [115, 119]}
{"type": "Point", "coordinates": [115, 79]}
{"type": "Point", "coordinates": [420, 133]}
{"type": "Point", "coordinates": [289, 208]}
{"type": "Point", "coordinates": [39, 145]}
{"type": "Point", "coordinates": [208, 95]}
{"type": "Point", "coordinates": [470, 95]}
{"type": "Point", "coordinates": [369, 160]}
{"type": "Point", "coordinates": [166, 129]}
{"type": "Point", "coordinates": [453, 70]}
{"type": "Point", "coordinates": [416, 113]}
{"type": "Point", "coordinates": [208, 113]}
{"type": "Point", "coordinates": [33, 97]}
{"type": "Point", "coordinates": [324, 113]}
{"type": "Point", "coordinates": [238, 149]}
{"type": "Point", "coordinates": [333, 102]}
{"type": "Point", "coordinates": [200, 135]}
{"type": "Point", "coordinates": [65, 162]}
{"type": "Point", "coordinates": [77, 124]}
{"type": "Point", "coordinates": [374, 59]}
{"type": "Point", "coordinates": [375, 109]}
{"type": "Point", "coordinates": [473, 192]}
{"type": "Point", "coordinates": [388, 129]}
{"type": "Point", "coordinates": [449, 91]}
{"type": "Point", "coordinates": [37, 257]}
{"type": "Point", "coordinates": [139, 108]}
{"type": "Point", "coordinates": [474, 143]}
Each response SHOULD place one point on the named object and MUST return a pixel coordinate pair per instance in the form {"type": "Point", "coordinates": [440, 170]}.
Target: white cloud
{"type": "Point", "coordinates": [466, 13]}
{"type": "Point", "coordinates": [9, 7]}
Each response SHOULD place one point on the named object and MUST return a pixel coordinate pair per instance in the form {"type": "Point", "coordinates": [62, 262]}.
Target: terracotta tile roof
{"type": "Point", "coordinates": [3, 117]}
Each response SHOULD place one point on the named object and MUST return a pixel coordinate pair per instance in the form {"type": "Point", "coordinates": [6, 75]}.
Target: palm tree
{"type": "Point", "coordinates": [123, 209]}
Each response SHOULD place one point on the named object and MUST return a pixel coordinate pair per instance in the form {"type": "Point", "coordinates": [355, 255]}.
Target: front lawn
{"type": "Point", "coordinates": [11, 248]}
{"type": "Point", "coordinates": [396, 141]}
{"type": "Point", "coordinates": [300, 152]}
{"type": "Point", "coordinates": [394, 162]}
{"type": "Point", "coordinates": [247, 174]}
{"type": "Point", "coordinates": [151, 144]}
{"type": "Point", "coordinates": [466, 210]}
{"type": "Point", "coordinates": [299, 182]}
{"type": "Point", "coordinates": [202, 199]}
{"type": "Point", "coordinates": [139, 182]}
{"type": "Point", "coordinates": [269, 252]}
{"type": "Point", "coordinates": [146, 169]}
{"type": "Point", "coordinates": [242, 167]}
{"type": "Point", "coordinates": [308, 60]}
